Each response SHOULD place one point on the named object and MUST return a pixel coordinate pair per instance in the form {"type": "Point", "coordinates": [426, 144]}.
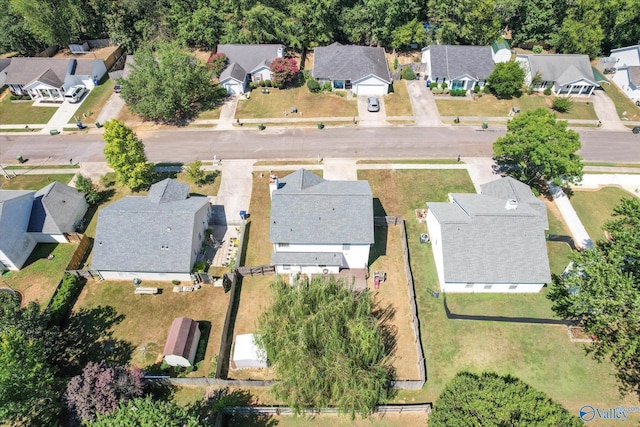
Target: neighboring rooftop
{"type": "Point", "coordinates": [244, 58]}
{"type": "Point", "coordinates": [308, 209]}
{"type": "Point", "coordinates": [499, 45]}
{"type": "Point", "coordinates": [350, 62]}
{"type": "Point", "coordinates": [562, 69]}
{"type": "Point", "coordinates": [453, 61]}
{"type": "Point", "coordinates": [56, 208]}
{"type": "Point", "coordinates": [24, 70]}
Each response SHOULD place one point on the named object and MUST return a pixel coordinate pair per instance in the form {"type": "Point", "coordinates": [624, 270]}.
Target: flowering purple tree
{"type": "Point", "coordinates": [284, 71]}
{"type": "Point", "coordinates": [100, 388]}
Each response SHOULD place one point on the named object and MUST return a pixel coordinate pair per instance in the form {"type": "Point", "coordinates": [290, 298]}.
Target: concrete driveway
{"type": "Point", "coordinates": [424, 104]}
{"type": "Point", "coordinates": [606, 111]}
{"type": "Point", "coordinates": [111, 108]}
{"type": "Point", "coordinates": [369, 119]}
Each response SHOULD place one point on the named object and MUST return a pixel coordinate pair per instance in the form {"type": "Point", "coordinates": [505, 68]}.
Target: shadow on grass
{"type": "Point", "coordinates": [379, 247]}
{"type": "Point", "coordinates": [90, 338]}
{"type": "Point", "coordinates": [388, 332]}
{"type": "Point", "coordinates": [205, 331]}
{"type": "Point", "coordinates": [530, 320]}
{"type": "Point", "coordinates": [42, 250]}
{"type": "Point", "coordinates": [565, 239]}
{"type": "Point", "coordinates": [216, 400]}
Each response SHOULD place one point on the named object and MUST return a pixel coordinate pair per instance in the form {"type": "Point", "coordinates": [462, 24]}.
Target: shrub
{"type": "Point", "coordinates": [476, 89]}
{"type": "Point", "coordinates": [313, 86]}
{"type": "Point", "coordinates": [433, 85]}
{"type": "Point", "coordinates": [199, 267]}
{"type": "Point", "coordinates": [444, 85]}
{"type": "Point", "coordinates": [436, 91]}
{"type": "Point", "coordinates": [175, 282]}
{"type": "Point", "coordinates": [284, 71]}
{"type": "Point", "coordinates": [261, 83]}
{"type": "Point", "coordinates": [486, 89]}
{"type": "Point", "coordinates": [547, 91]}
{"type": "Point", "coordinates": [446, 90]}
{"type": "Point", "coordinates": [537, 49]}
{"type": "Point", "coordinates": [90, 190]}
{"type": "Point", "coordinates": [408, 74]}
{"type": "Point", "coordinates": [395, 63]}
{"type": "Point", "coordinates": [261, 126]}
{"type": "Point", "coordinates": [267, 83]}
{"type": "Point", "coordinates": [458, 92]}
{"type": "Point", "coordinates": [506, 80]}
{"type": "Point", "coordinates": [108, 179]}
{"type": "Point", "coordinates": [327, 87]}
{"type": "Point", "coordinates": [562, 105]}
{"type": "Point", "coordinates": [252, 85]}
{"type": "Point", "coordinates": [64, 299]}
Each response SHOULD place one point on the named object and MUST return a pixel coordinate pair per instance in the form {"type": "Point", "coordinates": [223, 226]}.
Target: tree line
{"type": "Point", "coordinates": [568, 26]}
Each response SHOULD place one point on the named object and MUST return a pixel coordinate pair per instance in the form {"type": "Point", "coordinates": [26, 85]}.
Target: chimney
{"type": "Point", "coordinates": [273, 184]}
{"type": "Point", "coordinates": [512, 205]}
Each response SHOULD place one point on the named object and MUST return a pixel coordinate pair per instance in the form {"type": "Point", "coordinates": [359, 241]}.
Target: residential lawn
{"type": "Point", "coordinates": [34, 182]}
{"type": "Point", "coordinates": [558, 251]}
{"type": "Point", "coordinates": [610, 164]}
{"type": "Point", "coordinates": [540, 355]}
{"type": "Point", "coordinates": [94, 102]}
{"type": "Point", "coordinates": [411, 162]}
{"type": "Point", "coordinates": [595, 207]}
{"type": "Point", "coordinates": [387, 420]}
{"type": "Point", "coordinates": [398, 102]}
{"type": "Point", "coordinates": [39, 276]}
{"type": "Point", "coordinates": [274, 104]}
{"type": "Point", "coordinates": [490, 106]}
{"type": "Point", "coordinates": [147, 318]}
{"type": "Point", "coordinates": [624, 106]}
{"type": "Point", "coordinates": [23, 112]}
{"type": "Point", "coordinates": [27, 167]}
{"type": "Point", "coordinates": [212, 114]}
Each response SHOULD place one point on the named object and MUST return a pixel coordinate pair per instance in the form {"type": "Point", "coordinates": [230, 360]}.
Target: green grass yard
{"type": "Point", "coordinates": [23, 112]}
{"type": "Point", "coordinates": [398, 102]}
{"type": "Point", "coordinates": [625, 107]}
{"type": "Point", "coordinates": [275, 103]}
{"type": "Point", "coordinates": [594, 208]}
{"type": "Point", "coordinates": [541, 355]}
{"type": "Point", "coordinates": [34, 182]}
{"type": "Point", "coordinates": [94, 102]}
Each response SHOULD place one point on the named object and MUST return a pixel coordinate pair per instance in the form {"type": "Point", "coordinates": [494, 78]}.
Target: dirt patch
{"type": "Point", "coordinates": [99, 53]}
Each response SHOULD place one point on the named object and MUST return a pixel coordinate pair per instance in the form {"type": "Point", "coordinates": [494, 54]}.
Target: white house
{"type": "Point", "coordinates": [363, 69]}
{"type": "Point", "coordinates": [627, 71]}
{"type": "Point", "coordinates": [490, 242]}
{"type": "Point", "coordinates": [461, 67]}
{"type": "Point", "coordinates": [28, 218]}
{"type": "Point", "coordinates": [47, 79]}
{"type": "Point", "coordinates": [564, 74]}
{"type": "Point", "coordinates": [500, 51]}
{"type": "Point", "coordinates": [153, 237]}
{"type": "Point", "coordinates": [320, 226]}
{"type": "Point", "coordinates": [247, 354]}
{"type": "Point", "coordinates": [247, 63]}
{"type": "Point", "coordinates": [182, 342]}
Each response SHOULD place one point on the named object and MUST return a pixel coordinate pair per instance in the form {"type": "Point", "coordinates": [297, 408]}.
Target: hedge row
{"type": "Point", "coordinates": [64, 299]}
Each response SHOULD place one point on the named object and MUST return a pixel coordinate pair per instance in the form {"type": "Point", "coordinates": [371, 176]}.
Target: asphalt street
{"type": "Point", "coordinates": [304, 143]}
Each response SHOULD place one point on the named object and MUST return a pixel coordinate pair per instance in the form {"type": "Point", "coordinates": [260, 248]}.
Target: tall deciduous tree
{"type": "Point", "coordinates": [506, 79]}
{"type": "Point", "coordinates": [326, 346]}
{"type": "Point", "coordinates": [28, 395]}
{"type": "Point", "coordinates": [100, 388]}
{"type": "Point", "coordinates": [472, 22]}
{"type": "Point", "coordinates": [146, 412]}
{"type": "Point", "coordinates": [532, 21]}
{"type": "Point", "coordinates": [167, 84]}
{"type": "Point", "coordinates": [538, 148]}
{"type": "Point", "coordinates": [125, 154]}
{"type": "Point", "coordinates": [16, 33]}
{"type": "Point", "coordinates": [602, 292]}
{"type": "Point", "coordinates": [493, 400]}
{"type": "Point", "coordinates": [581, 31]}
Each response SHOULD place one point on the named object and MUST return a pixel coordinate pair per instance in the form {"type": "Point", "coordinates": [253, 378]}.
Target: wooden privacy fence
{"type": "Point", "coordinates": [259, 270]}
{"type": "Point", "coordinates": [80, 251]}
{"type": "Point", "coordinates": [379, 221]}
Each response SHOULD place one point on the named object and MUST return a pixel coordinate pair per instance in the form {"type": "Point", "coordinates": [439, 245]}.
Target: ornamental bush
{"type": "Point", "coordinates": [562, 105]}
{"type": "Point", "coordinates": [408, 74]}
{"type": "Point", "coordinates": [313, 86]}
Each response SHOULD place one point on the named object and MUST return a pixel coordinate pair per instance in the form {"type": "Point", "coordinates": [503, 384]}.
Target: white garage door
{"type": "Point", "coordinates": [371, 90]}
{"type": "Point", "coordinates": [232, 88]}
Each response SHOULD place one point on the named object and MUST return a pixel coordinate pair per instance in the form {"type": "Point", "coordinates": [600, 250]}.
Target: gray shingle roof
{"type": "Point", "coordinates": [15, 207]}
{"type": "Point", "coordinates": [56, 208]}
{"type": "Point", "coordinates": [168, 190]}
{"type": "Point", "coordinates": [140, 234]}
{"type": "Point", "coordinates": [483, 242]}
{"type": "Point", "coordinates": [233, 71]}
{"type": "Point", "coordinates": [349, 62]}
{"type": "Point", "coordinates": [451, 61]}
{"type": "Point", "coordinates": [508, 188]}
{"type": "Point", "coordinates": [4, 63]}
{"type": "Point", "coordinates": [309, 209]}
{"type": "Point", "coordinates": [562, 69]}
{"type": "Point", "coordinates": [27, 70]}
{"type": "Point", "coordinates": [307, 258]}
{"type": "Point", "coordinates": [248, 57]}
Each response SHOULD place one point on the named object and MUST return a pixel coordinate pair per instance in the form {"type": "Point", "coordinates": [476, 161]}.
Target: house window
{"type": "Point", "coordinates": [346, 246]}
{"type": "Point", "coordinates": [283, 245]}
{"type": "Point", "coordinates": [468, 286]}
{"type": "Point", "coordinates": [487, 287]}
{"type": "Point", "coordinates": [347, 84]}
{"type": "Point", "coordinates": [458, 84]}
{"type": "Point", "coordinates": [513, 287]}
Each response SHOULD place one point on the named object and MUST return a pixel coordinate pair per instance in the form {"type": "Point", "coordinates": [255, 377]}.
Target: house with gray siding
{"type": "Point", "coordinates": [362, 69]}
{"type": "Point", "coordinates": [320, 226]}
{"type": "Point", "coordinates": [152, 237]}
{"type": "Point", "coordinates": [461, 67]}
{"type": "Point", "coordinates": [563, 74]}
{"type": "Point", "coordinates": [247, 63]}
{"type": "Point", "coordinates": [490, 242]}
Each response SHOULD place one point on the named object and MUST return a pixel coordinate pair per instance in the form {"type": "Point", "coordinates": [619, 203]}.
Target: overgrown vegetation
{"type": "Point", "coordinates": [506, 80]}
{"type": "Point", "coordinates": [64, 299]}
{"type": "Point", "coordinates": [326, 346]}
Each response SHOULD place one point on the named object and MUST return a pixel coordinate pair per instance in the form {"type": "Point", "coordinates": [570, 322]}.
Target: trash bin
{"type": "Point", "coordinates": [80, 125]}
{"type": "Point", "coordinates": [294, 110]}
{"type": "Point", "coordinates": [19, 159]}
{"type": "Point", "coordinates": [485, 124]}
{"type": "Point", "coordinates": [53, 132]}
{"type": "Point", "coordinates": [243, 215]}
{"type": "Point", "coordinates": [98, 124]}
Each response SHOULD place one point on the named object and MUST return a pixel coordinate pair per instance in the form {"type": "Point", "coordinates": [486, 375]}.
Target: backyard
{"type": "Point", "coordinates": [397, 103]}
{"type": "Point", "coordinates": [23, 112]}
{"type": "Point", "coordinates": [539, 354]}
{"type": "Point", "coordinates": [594, 207]}
{"type": "Point", "coordinates": [147, 318]}
{"type": "Point", "coordinates": [277, 102]}
{"type": "Point", "coordinates": [490, 106]}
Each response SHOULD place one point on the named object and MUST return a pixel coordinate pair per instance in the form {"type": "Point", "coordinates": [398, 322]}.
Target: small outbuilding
{"type": "Point", "coordinates": [247, 354]}
{"type": "Point", "coordinates": [182, 343]}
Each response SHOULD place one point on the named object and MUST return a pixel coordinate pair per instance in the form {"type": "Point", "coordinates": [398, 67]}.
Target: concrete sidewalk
{"type": "Point", "coordinates": [580, 236]}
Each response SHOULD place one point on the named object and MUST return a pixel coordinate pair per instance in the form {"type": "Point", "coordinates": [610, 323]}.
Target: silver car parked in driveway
{"type": "Point", "coordinates": [373, 105]}
{"type": "Point", "coordinates": [74, 94]}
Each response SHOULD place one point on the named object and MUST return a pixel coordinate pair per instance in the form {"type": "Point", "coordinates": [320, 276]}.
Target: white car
{"type": "Point", "coordinates": [75, 93]}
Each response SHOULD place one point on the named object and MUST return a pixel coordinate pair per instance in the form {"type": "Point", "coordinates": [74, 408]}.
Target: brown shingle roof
{"type": "Point", "coordinates": [181, 337]}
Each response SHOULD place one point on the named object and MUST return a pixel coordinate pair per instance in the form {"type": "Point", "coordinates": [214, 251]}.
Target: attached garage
{"type": "Point", "coordinates": [371, 85]}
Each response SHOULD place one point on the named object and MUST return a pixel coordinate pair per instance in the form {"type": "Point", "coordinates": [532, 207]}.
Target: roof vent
{"type": "Point", "coordinates": [512, 205]}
